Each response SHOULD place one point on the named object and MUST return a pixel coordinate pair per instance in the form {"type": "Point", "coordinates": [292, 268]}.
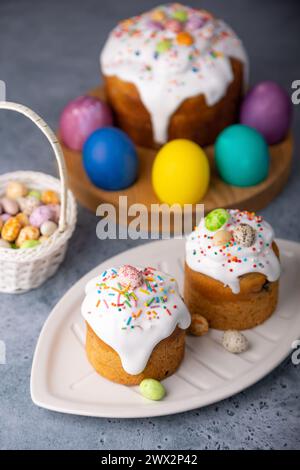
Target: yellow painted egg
{"type": "Point", "coordinates": [11, 229]}
{"type": "Point", "coordinates": [50, 197]}
{"type": "Point", "coordinates": [180, 173]}
{"type": "Point", "coordinates": [27, 233]}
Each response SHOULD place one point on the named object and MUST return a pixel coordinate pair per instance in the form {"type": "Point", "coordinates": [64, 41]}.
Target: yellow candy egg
{"type": "Point", "coordinates": [23, 219]}
{"type": "Point", "coordinates": [15, 189]}
{"type": "Point", "coordinates": [1, 225]}
{"type": "Point", "coordinates": [27, 233]}
{"type": "Point", "coordinates": [158, 15]}
{"type": "Point", "coordinates": [11, 229]}
{"type": "Point", "coordinates": [50, 197]}
{"type": "Point", "coordinates": [180, 173]}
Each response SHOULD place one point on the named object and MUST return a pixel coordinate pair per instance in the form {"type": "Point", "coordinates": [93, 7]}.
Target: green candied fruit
{"type": "Point", "coordinates": [216, 219]}
{"type": "Point", "coordinates": [30, 244]}
{"type": "Point", "coordinates": [152, 389]}
{"type": "Point", "coordinates": [163, 46]}
{"type": "Point", "coordinates": [180, 15]}
{"type": "Point", "coordinates": [35, 193]}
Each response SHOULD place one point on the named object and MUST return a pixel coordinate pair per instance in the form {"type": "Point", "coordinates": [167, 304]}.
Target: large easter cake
{"type": "Point", "coordinates": [174, 72]}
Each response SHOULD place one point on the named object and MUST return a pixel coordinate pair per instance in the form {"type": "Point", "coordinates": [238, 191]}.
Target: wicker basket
{"type": "Point", "coordinates": [22, 270]}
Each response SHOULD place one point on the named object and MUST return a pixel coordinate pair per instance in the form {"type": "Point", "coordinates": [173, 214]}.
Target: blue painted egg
{"type": "Point", "coordinates": [242, 156]}
{"type": "Point", "coordinates": [110, 159]}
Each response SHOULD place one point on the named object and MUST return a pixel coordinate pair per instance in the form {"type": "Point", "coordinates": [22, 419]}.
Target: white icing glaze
{"type": "Point", "coordinates": [164, 80]}
{"type": "Point", "coordinates": [124, 322]}
{"type": "Point", "coordinates": [227, 263]}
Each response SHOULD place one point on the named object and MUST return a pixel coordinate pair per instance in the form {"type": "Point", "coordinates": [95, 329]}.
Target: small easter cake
{"type": "Point", "coordinates": [136, 322]}
{"type": "Point", "coordinates": [173, 72]}
{"type": "Point", "coordinates": [232, 270]}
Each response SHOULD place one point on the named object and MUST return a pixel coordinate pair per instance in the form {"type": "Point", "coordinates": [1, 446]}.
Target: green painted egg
{"type": "Point", "coordinates": [242, 156]}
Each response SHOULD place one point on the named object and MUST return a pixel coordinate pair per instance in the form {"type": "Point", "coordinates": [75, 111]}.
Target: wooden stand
{"type": "Point", "coordinates": [219, 193]}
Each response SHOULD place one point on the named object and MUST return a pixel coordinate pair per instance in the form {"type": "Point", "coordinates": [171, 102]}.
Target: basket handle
{"type": "Point", "coordinates": [47, 131]}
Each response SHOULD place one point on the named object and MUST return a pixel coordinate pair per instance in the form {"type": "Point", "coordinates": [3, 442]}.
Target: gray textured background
{"type": "Point", "coordinates": [48, 55]}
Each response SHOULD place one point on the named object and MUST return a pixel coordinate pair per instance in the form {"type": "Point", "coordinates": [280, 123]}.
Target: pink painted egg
{"type": "Point", "coordinates": [80, 118]}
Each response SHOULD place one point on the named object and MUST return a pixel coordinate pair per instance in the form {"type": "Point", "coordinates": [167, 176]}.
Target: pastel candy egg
{"type": "Point", "coordinates": [174, 26]}
{"type": "Point", "coordinates": [4, 217]}
{"type": "Point", "coordinates": [244, 235]}
{"type": "Point", "coordinates": [216, 219]}
{"type": "Point", "coordinates": [129, 275]}
{"type": "Point", "coordinates": [50, 197]}
{"type": "Point", "coordinates": [242, 156]}
{"type": "Point", "coordinates": [27, 233]}
{"type": "Point", "coordinates": [80, 118]}
{"type": "Point", "coordinates": [15, 189]}
{"type": "Point", "coordinates": [30, 244]}
{"type": "Point", "coordinates": [234, 341]}
{"type": "Point", "coordinates": [11, 229]}
{"type": "Point", "coordinates": [40, 215]}
{"type": "Point", "coordinates": [10, 206]}
{"type": "Point", "coordinates": [4, 244]}
{"type": "Point", "coordinates": [110, 159]}
{"type": "Point", "coordinates": [199, 325]}
{"type": "Point", "coordinates": [163, 46]}
{"type": "Point", "coordinates": [48, 228]}
{"type": "Point", "coordinates": [221, 237]}
{"type": "Point", "coordinates": [268, 109]}
{"type": "Point", "coordinates": [28, 204]}
{"type": "Point", "coordinates": [195, 22]}
{"type": "Point", "coordinates": [55, 211]}
{"type": "Point", "coordinates": [155, 25]}
{"type": "Point", "coordinates": [152, 389]}
{"type": "Point", "coordinates": [184, 39]}
{"type": "Point", "coordinates": [23, 219]}
{"type": "Point", "coordinates": [180, 172]}
{"type": "Point", "coordinates": [35, 193]}
{"type": "Point", "coordinates": [158, 15]}
{"type": "Point", "coordinates": [180, 15]}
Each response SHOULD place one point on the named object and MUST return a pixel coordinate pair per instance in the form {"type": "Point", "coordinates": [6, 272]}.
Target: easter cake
{"type": "Point", "coordinates": [232, 270]}
{"type": "Point", "coordinates": [173, 72]}
{"type": "Point", "coordinates": [136, 322]}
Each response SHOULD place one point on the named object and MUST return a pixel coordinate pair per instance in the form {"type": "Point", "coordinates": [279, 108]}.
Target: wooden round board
{"type": "Point", "coordinates": [219, 194]}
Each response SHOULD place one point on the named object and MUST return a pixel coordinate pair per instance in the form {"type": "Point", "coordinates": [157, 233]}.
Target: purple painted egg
{"type": "Point", "coordinates": [268, 109]}
{"type": "Point", "coordinates": [195, 22]}
{"type": "Point", "coordinates": [80, 118]}
{"type": "Point", "coordinates": [40, 215]}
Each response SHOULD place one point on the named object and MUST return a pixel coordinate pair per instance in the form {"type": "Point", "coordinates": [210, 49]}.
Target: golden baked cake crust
{"type": "Point", "coordinates": [163, 362]}
{"type": "Point", "coordinates": [193, 120]}
{"type": "Point", "coordinates": [225, 310]}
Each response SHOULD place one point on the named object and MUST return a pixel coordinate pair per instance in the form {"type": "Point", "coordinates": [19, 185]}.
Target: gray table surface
{"type": "Point", "coordinates": [48, 55]}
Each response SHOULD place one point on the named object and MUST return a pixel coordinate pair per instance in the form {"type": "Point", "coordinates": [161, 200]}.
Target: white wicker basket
{"type": "Point", "coordinates": [22, 270]}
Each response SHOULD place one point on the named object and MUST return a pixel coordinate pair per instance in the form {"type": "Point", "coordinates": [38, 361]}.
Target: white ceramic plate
{"type": "Point", "coordinates": [63, 380]}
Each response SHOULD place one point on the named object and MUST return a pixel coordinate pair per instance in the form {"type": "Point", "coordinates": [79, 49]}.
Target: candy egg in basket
{"type": "Point", "coordinates": [37, 218]}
